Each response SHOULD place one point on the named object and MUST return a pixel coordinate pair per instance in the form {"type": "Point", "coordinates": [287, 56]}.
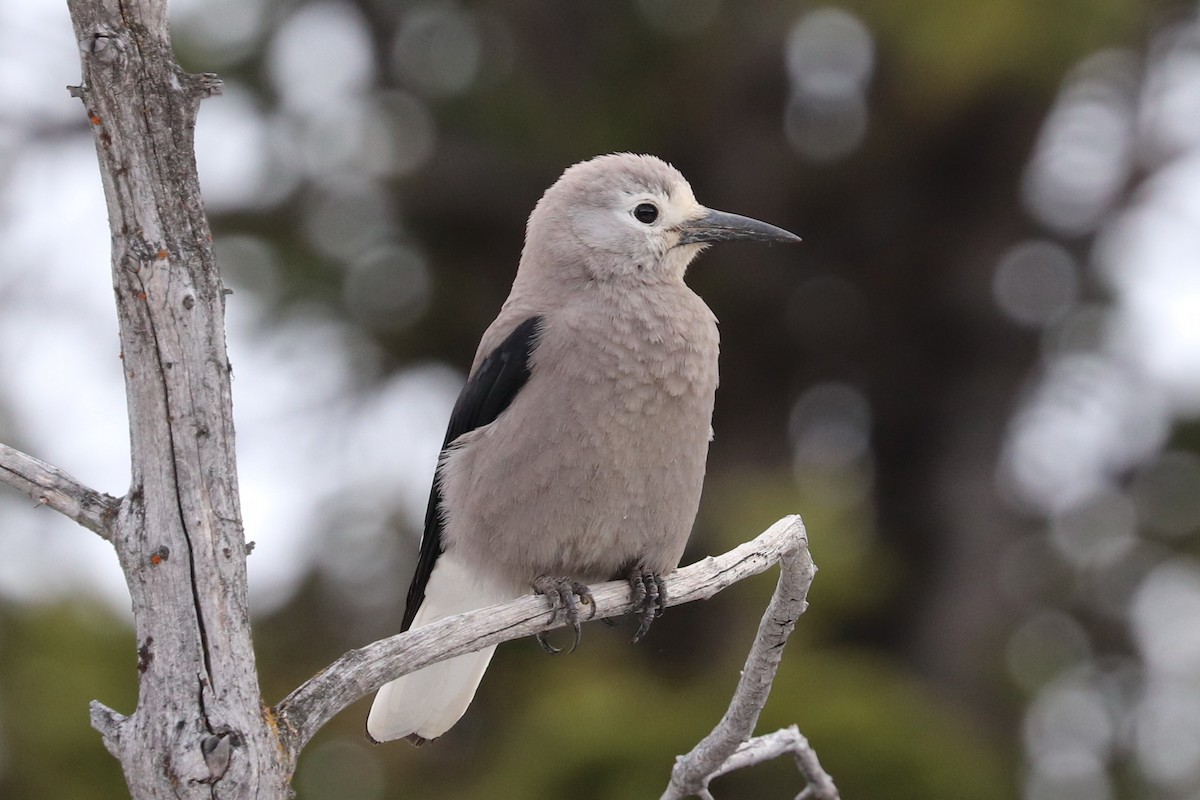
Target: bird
{"type": "Point", "coordinates": [576, 451]}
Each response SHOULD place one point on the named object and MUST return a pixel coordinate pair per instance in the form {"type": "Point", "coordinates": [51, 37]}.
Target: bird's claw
{"type": "Point", "coordinates": [649, 597]}
{"type": "Point", "coordinates": [561, 593]}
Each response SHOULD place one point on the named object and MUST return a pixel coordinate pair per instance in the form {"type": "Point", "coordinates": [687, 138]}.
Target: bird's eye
{"type": "Point", "coordinates": [645, 212]}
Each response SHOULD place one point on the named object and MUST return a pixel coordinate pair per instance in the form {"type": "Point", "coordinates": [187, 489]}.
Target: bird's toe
{"type": "Point", "coordinates": [544, 642]}
{"type": "Point", "coordinates": [649, 598]}
{"type": "Point", "coordinates": [561, 594]}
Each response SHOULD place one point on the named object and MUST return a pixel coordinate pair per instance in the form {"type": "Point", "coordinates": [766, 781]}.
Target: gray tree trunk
{"type": "Point", "coordinates": [199, 729]}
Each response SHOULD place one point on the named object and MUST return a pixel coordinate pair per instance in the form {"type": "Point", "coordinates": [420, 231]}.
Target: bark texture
{"type": "Point", "coordinates": [199, 729]}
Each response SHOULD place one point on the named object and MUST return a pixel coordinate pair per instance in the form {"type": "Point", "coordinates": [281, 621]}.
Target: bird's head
{"type": "Point", "coordinates": [626, 217]}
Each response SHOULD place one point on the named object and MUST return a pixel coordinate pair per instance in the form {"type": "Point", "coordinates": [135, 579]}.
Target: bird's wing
{"type": "Point", "coordinates": [489, 390]}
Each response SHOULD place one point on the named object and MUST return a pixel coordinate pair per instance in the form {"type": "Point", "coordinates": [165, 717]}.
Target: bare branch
{"type": "Point", "coordinates": [362, 671]}
{"type": "Point", "coordinates": [772, 745]}
{"type": "Point", "coordinates": [109, 724]}
{"type": "Point", "coordinates": [51, 487]}
{"type": "Point", "coordinates": [693, 771]}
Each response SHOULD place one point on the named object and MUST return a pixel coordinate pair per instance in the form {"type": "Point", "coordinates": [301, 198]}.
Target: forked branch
{"type": "Point", "coordinates": [772, 745]}
{"type": "Point", "coordinates": [729, 746]}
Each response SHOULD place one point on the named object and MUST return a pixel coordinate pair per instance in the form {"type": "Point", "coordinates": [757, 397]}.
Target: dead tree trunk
{"type": "Point", "coordinates": [199, 729]}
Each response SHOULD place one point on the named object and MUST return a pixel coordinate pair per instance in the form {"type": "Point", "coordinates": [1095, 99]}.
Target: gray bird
{"type": "Point", "coordinates": [576, 451]}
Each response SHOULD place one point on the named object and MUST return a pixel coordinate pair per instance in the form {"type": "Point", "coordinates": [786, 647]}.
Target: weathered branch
{"type": "Point", "coordinates": [693, 771]}
{"type": "Point", "coordinates": [772, 745]}
{"type": "Point", "coordinates": [108, 723]}
{"type": "Point", "coordinates": [51, 487]}
{"type": "Point", "coordinates": [360, 672]}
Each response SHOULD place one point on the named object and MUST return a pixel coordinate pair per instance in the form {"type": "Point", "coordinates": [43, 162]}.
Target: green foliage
{"type": "Point", "coordinates": [945, 52]}
{"type": "Point", "coordinates": [873, 725]}
{"type": "Point", "coordinates": [56, 659]}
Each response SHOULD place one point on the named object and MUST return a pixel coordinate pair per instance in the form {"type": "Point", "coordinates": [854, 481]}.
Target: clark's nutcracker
{"type": "Point", "coordinates": [575, 453]}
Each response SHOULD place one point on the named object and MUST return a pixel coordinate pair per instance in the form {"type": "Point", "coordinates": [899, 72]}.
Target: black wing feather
{"type": "Point", "coordinates": [489, 390]}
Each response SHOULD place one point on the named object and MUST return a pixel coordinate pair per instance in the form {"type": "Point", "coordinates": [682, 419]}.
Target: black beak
{"type": "Point", "coordinates": [718, 226]}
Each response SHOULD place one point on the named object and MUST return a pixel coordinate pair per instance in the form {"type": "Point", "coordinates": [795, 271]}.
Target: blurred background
{"type": "Point", "coordinates": [978, 379]}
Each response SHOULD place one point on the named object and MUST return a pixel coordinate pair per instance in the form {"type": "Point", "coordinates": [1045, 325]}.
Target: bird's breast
{"type": "Point", "coordinates": [647, 354]}
{"type": "Point", "coordinates": [599, 460]}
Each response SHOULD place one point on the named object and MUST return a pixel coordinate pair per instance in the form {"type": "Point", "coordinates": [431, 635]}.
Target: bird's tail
{"type": "Point", "coordinates": [426, 703]}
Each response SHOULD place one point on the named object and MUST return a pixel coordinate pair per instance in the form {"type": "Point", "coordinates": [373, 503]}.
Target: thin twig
{"type": "Point", "coordinates": [109, 723]}
{"type": "Point", "coordinates": [772, 745]}
{"type": "Point", "coordinates": [693, 771]}
{"type": "Point", "coordinates": [362, 671]}
{"type": "Point", "coordinates": [51, 487]}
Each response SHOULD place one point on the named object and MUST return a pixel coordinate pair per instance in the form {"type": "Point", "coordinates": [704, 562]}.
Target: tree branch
{"type": "Point", "coordinates": [693, 771]}
{"type": "Point", "coordinates": [360, 672]}
{"type": "Point", "coordinates": [51, 487]}
{"type": "Point", "coordinates": [772, 745]}
{"type": "Point", "coordinates": [109, 724]}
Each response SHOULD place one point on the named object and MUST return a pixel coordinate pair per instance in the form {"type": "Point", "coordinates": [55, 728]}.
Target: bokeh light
{"type": "Point", "coordinates": [1083, 156]}
{"type": "Point", "coordinates": [830, 56]}
{"type": "Point", "coordinates": [438, 49]}
{"type": "Point", "coordinates": [1097, 533]}
{"type": "Point", "coordinates": [388, 288]}
{"type": "Point", "coordinates": [1089, 419]}
{"type": "Point", "coordinates": [233, 151]}
{"type": "Point", "coordinates": [319, 58]}
{"type": "Point", "coordinates": [1036, 282]}
{"type": "Point", "coordinates": [230, 32]}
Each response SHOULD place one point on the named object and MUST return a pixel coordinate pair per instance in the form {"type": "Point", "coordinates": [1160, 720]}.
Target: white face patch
{"type": "Point", "coordinates": [636, 232]}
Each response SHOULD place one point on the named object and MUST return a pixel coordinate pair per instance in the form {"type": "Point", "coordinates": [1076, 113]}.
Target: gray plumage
{"type": "Point", "coordinates": [586, 419]}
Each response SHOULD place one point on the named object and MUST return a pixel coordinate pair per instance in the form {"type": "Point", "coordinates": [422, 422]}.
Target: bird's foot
{"type": "Point", "coordinates": [561, 592]}
{"type": "Point", "coordinates": [649, 596]}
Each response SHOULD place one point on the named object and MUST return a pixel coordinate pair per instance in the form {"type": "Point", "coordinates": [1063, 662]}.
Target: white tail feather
{"type": "Point", "coordinates": [429, 701]}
